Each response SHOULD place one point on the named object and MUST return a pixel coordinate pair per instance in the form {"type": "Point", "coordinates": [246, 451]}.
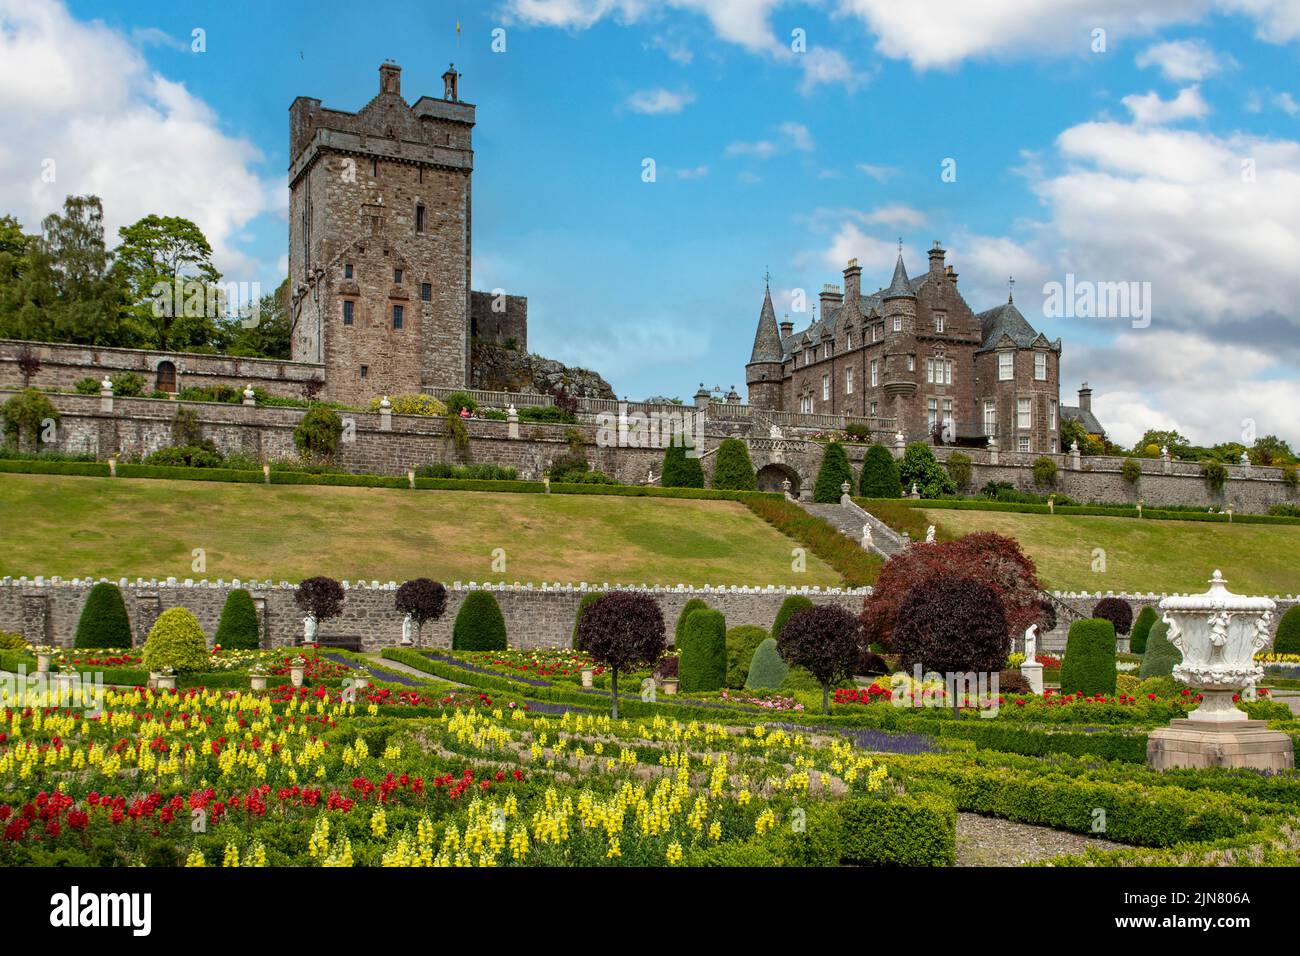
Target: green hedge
{"type": "Point", "coordinates": [479, 624]}
{"type": "Point", "coordinates": [1019, 739]}
{"type": "Point", "coordinates": [1160, 656]}
{"type": "Point", "coordinates": [1089, 663]}
{"type": "Point", "coordinates": [1108, 511]}
{"type": "Point", "coordinates": [103, 621]}
{"type": "Point", "coordinates": [1288, 633]}
{"type": "Point", "coordinates": [238, 628]}
{"type": "Point", "coordinates": [1147, 617]}
{"type": "Point", "coordinates": [703, 664]}
{"type": "Point", "coordinates": [86, 469]}
{"type": "Point", "coordinates": [181, 473]}
{"type": "Point", "coordinates": [912, 829]}
{"type": "Point", "coordinates": [791, 606]}
{"type": "Point", "coordinates": [766, 670]}
{"type": "Point", "coordinates": [742, 642]}
{"type": "Point", "coordinates": [694, 604]}
{"type": "Point", "coordinates": [356, 481]}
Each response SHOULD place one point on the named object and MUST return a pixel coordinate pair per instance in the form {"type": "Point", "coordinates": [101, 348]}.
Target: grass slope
{"type": "Point", "coordinates": [134, 527]}
{"type": "Point", "coordinates": [1144, 555]}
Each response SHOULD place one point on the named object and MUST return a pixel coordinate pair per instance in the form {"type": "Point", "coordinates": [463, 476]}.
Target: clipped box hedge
{"type": "Point", "coordinates": [1034, 742]}
{"type": "Point", "coordinates": [1105, 511]}
{"type": "Point", "coordinates": [85, 469]}
{"type": "Point", "coordinates": [911, 829]}
{"type": "Point", "coordinates": [181, 473]}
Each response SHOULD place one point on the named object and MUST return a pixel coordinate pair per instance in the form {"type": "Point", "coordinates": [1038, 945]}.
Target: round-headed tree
{"type": "Point", "coordinates": [103, 621]}
{"type": "Point", "coordinates": [1089, 664]}
{"type": "Point", "coordinates": [826, 641]}
{"type": "Point", "coordinates": [176, 641]}
{"type": "Point", "coordinates": [25, 417]}
{"type": "Point", "coordinates": [732, 470]}
{"type": "Point", "coordinates": [1146, 619]}
{"type": "Point", "coordinates": [1288, 633]}
{"type": "Point", "coordinates": [1161, 655]}
{"type": "Point", "coordinates": [479, 625]}
{"type": "Point", "coordinates": [952, 625]}
{"type": "Point", "coordinates": [623, 631]}
{"type": "Point", "coordinates": [238, 628]}
{"type": "Point", "coordinates": [320, 597]}
{"type": "Point", "coordinates": [1117, 611]}
{"type": "Point", "coordinates": [703, 660]}
{"type": "Point", "coordinates": [681, 470]}
{"type": "Point", "coordinates": [832, 475]}
{"type": "Point", "coordinates": [766, 670]}
{"type": "Point", "coordinates": [690, 607]}
{"type": "Point", "coordinates": [789, 608]}
{"type": "Point", "coordinates": [919, 467]}
{"type": "Point", "coordinates": [880, 474]}
{"type": "Point", "coordinates": [587, 599]}
{"type": "Point", "coordinates": [317, 435]}
{"type": "Point", "coordinates": [742, 642]}
{"type": "Point", "coordinates": [423, 599]}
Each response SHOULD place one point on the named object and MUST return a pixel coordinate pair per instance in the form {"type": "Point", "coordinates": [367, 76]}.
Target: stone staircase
{"type": "Point", "coordinates": [848, 519]}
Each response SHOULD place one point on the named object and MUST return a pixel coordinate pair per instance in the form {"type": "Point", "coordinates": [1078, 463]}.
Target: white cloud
{"type": "Point", "coordinates": [1149, 109]}
{"type": "Point", "coordinates": [1182, 61]}
{"type": "Point", "coordinates": [660, 101]}
{"type": "Point", "coordinates": [794, 136]}
{"type": "Point", "coordinates": [798, 136]}
{"type": "Point", "coordinates": [1286, 103]}
{"type": "Point", "coordinates": [697, 172]}
{"type": "Point", "coordinates": [82, 95]}
{"type": "Point", "coordinates": [823, 66]}
{"type": "Point", "coordinates": [878, 173]}
{"type": "Point", "coordinates": [762, 148]}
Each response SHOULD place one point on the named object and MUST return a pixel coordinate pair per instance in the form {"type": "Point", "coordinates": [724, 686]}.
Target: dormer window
{"type": "Point", "coordinates": [939, 321]}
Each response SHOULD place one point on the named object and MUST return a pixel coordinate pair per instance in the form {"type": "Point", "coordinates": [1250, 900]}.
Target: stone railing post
{"type": "Point", "coordinates": [993, 451]}
{"type": "Point", "coordinates": [1166, 462]}
{"type": "Point", "coordinates": [1075, 462]}
{"type": "Point", "coordinates": [385, 415]}
{"type": "Point", "coordinates": [512, 422]}
{"type": "Point", "coordinates": [106, 395]}
{"type": "Point", "coordinates": [844, 493]}
{"type": "Point", "coordinates": [900, 444]}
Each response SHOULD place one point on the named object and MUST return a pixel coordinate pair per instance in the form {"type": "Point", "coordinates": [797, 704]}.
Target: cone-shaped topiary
{"type": "Point", "coordinates": [832, 475]}
{"type": "Point", "coordinates": [766, 670]}
{"type": "Point", "coordinates": [479, 625]}
{"type": "Point", "coordinates": [1089, 664]}
{"type": "Point", "coordinates": [1117, 611]}
{"type": "Point", "coordinates": [681, 471]}
{"type": "Point", "coordinates": [1160, 656]}
{"type": "Point", "coordinates": [880, 474]}
{"type": "Point", "coordinates": [103, 620]}
{"type": "Point", "coordinates": [176, 641]}
{"type": "Point", "coordinates": [789, 608]}
{"type": "Point", "coordinates": [237, 629]}
{"type": "Point", "coordinates": [742, 641]}
{"type": "Point", "coordinates": [694, 604]}
{"type": "Point", "coordinates": [1288, 633]}
{"type": "Point", "coordinates": [1137, 639]}
{"type": "Point", "coordinates": [733, 471]}
{"type": "Point", "coordinates": [577, 618]}
{"type": "Point", "coordinates": [703, 663]}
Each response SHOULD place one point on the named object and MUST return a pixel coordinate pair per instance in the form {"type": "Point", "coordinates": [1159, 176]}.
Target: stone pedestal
{"type": "Point", "coordinates": [1032, 671]}
{"type": "Point", "coordinates": [1199, 743]}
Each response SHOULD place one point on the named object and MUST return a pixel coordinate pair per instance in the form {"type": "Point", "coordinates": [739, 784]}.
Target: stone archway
{"type": "Point", "coordinates": [770, 478]}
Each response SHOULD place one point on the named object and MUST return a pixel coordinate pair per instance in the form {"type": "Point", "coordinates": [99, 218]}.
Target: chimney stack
{"type": "Point", "coordinates": [787, 327]}
{"type": "Point", "coordinates": [852, 282]}
{"type": "Point", "coordinates": [831, 298]}
{"type": "Point", "coordinates": [952, 275]}
{"type": "Point", "coordinates": [390, 78]}
{"type": "Point", "coordinates": [937, 252]}
{"type": "Point", "coordinates": [1085, 397]}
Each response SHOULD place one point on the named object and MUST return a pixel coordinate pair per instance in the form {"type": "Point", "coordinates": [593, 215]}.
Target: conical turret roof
{"type": "Point", "coordinates": [767, 340]}
{"type": "Point", "coordinates": [900, 286]}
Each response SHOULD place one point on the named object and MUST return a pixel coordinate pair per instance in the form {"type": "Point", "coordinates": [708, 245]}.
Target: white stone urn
{"type": "Point", "coordinates": [43, 662]}
{"type": "Point", "coordinates": [296, 674]}
{"type": "Point", "coordinates": [1218, 633]}
{"type": "Point", "coordinates": [163, 681]}
{"type": "Point", "coordinates": [257, 681]}
{"type": "Point", "coordinates": [588, 677]}
{"type": "Point", "coordinates": [670, 686]}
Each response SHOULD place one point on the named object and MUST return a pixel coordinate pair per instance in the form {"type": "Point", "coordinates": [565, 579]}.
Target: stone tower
{"type": "Point", "coordinates": [379, 240]}
{"type": "Point", "coordinates": [763, 373]}
{"type": "Point", "coordinates": [900, 382]}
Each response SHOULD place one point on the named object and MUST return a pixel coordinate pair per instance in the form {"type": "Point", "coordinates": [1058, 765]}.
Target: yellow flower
{"type": "Point", "coordinates": [674, 854]}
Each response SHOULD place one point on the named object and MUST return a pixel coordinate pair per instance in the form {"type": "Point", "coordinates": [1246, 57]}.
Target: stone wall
{"type": "Point", "coordinates": [46, 610]}
{"type": "Point", "coordinates": [63, 365]}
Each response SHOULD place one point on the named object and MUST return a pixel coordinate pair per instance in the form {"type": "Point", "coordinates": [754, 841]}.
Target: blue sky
{"type": "Point", "coordinates": [1120, 164]}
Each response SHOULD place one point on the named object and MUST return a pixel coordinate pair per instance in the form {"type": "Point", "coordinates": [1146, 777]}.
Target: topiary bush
{"type": "Point", "coordinates": [1137, 640]}
{"type": "Point", "coordinates": [176, 641]}
{"type": "Point", "coordinates": [1160, 656]}
{"type": "Point", "coordinates": [623, 631]}
{"type": "Point", "coordinates": [733, 471]}
{"type": "Point", "coordinates": [919, 467]}
{"type": "Point", "coordinates": [825, 640]}
{"type": "Point", "coordinates": [587, 599]}
{"type": "Point", "coordinates": [1160, 686]}
{"type": "Point", "coordinates": [423, 599]}
{"type": "Point", "coordinates": [25, 417]}
{"type": "Point", "coordinates": [694, 604]}
{"type": "Point", "coordinates": [479, 624]}
{"type": "Point", "coordinates": [238, 627]}
{"type": "Point", "coordinates": [833, 473]}
{"type": "Point", "coordinates": [789, 608]}
{"type": "Point", "coordinates": [742, 642]}
{"type": "Point", "coordinates": [703, 664]}
{"type": "Point", "coordinates": [766, 669]}
{"type": "Point", "coordinates": [103, 621]}
{"type": "Point", "coordinates": [317, 435]}
{"type": "Point", "coordinates": [1089, 664]}
{"type": "Point", "coordinates": [1117, 611]}
{"type": "Point", "coordinates": [879, 474]}
{"type": "Point", "coordinates": [680, 470]}
{"type": "Point", "coordinates": [1287, 640]}
{"type": "Point", "coordinates": [1045, 472]}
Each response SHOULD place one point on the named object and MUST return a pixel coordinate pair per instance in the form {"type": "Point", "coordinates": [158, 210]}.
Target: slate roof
{"type": "Point", "coordinates": [1085, 418]}
{"type": "Point", "coordinates": [900, 287]}
{"type": "Point", "coordinates": [870, 307]}
{"type": "Point", "coordinates": [767, 340]}
{"type": "Point", "coordinates": [1006, 320]}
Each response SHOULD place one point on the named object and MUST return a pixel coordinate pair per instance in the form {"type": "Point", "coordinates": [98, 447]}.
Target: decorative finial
{"type": "Point", "coordinates": [900, 247]}
{"type": "Point", "coordinates": [767, 278]}
{"type": "Point", "coordinates": [1011, 287]}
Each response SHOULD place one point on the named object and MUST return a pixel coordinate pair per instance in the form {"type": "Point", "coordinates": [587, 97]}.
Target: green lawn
{"type": "Point", "coordinates": [137, 527]}
{"type": "Point", "coordinates": [1144, 555]}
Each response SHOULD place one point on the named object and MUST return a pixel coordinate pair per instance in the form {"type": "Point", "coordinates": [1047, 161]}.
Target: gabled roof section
{"type": "Point", "coordinates": [1004, 326]}
{"type": "Point", "coordinates": [1084, 417]}
{"type": "Point", "coordinates": [767, 339]}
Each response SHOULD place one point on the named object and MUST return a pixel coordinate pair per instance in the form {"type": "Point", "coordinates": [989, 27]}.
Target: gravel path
{"type": "Point", "coordinates": [988, 841]}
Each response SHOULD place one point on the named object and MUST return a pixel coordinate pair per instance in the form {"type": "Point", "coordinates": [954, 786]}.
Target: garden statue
{"type": "Point", "coordinates": [1218, 634]}
{"type": "Point", "coordinates": [929, 535]}
{"type": "Point", "coordinates": [407, 627]}
{"type": "Point", "coordinates": [1031, 642]}
{"type": "Point", "coordinates": [866, 537]}
{"type": "Point", "coordinates": [1030, 669]}
{"type": "Point", "coordinates": [309, 629]}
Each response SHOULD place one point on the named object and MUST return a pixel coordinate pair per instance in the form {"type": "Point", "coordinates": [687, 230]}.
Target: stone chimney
{"type": "Point", "coordinates": [451, 84]}
{"type": "Point", "coordinates": [937, 252]}
{"type": "Point", "coordinates": [390, 78]}
{"type": "Point", "coordinates": [1085, 397]}
{"type": "Point", "coordinates": [787, 327]}
{"type": "Point", "coordinates": [952, 275]}
{"type": "Point", "coordinates": [852, 282]}
{"type": "Point", "coordinates": [831, 298]}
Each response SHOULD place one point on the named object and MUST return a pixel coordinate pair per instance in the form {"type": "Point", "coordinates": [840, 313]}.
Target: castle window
{"type": "Point", "coordinates": [1053, 446]}
{"type": "Point", "coordinates": [848, 380]}
{"type": "Point", "coordinates": [932, 413]}
{"type": "Point", "coordinates": [365, 371]}
{"type": "Point", "coordinates": [1022, 444]}
{"type": "Point", "coordinates": [347, 270]}
{"type": "Point", "coordinates": [875, 409]}
{"type": "Point", "coordinates": [849, 346]}
{"type": "Point", "coordinates": [419, 217]}
{"type": "Point", "coordinates": [374, 167]}
{"type": "Point", "coordinates": [911, 363]}
{"type": "Point", "coordinates": [947, 419]}
{"type": "Point", "coordinates": [826, 350]}
{"type": "Point", "coordinates": [1040, 366]}
{"type": "Point", "coordinates": [898, 323]}
{"type": "Point", "coordinates": [1051, 416]}
{"type": "Point", "coordinates": [938, 371]}
{"type": "Point", "coordinates": [1024, 413]}
{"type": "Point", "coordinates": [990, 417]}
{"type": "Point", "coordinates": [1006, 366]}
{"type": "Point", "coordinates": [875, 333]}
{"type": "Point", "coordinates": [397, 277]}
{"type": "Point", "coordinates": [348, 306]}
{"type": "Point", "coordinates": [939, 321]}
{"type": "Point", "coordinates": [426, 291]}
{"type": "Point", "coordinates": [875, 372]}
{"type": "Point", "coordinates": [826, 388]}
{"type": "Point", "coordinates": [399, 316]}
